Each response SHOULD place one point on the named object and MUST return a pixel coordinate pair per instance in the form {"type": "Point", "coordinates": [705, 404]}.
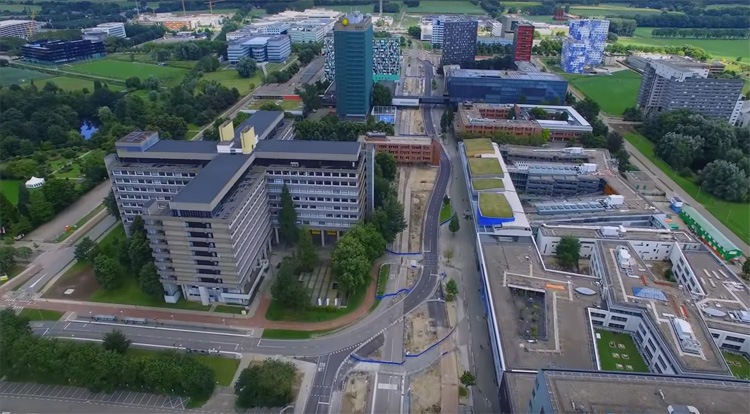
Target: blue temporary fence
{"type": "Point", "coordinates": [388, 295]}
{"type": "Point", "coordinates": [406, 354]}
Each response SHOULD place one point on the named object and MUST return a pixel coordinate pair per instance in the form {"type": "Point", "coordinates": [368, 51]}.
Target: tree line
{"type": "Point", "coordinates": [698, 33]}
{"type": "Point", "coordinates": [622, 27]}
{"type": "Point", "coordinates": [738, 17]}
{"type": "Point", "coordinates": [26, 357]}
{"type": "Point", "coordinates": [684, 50]}
{"type": "Point", "coordinates": [330, 128]}
{"type": "Point", "coordinates": [711, 151]}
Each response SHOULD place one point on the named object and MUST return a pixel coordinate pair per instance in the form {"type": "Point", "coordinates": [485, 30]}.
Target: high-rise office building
{"type": "Point", "coordinates": [386, 59]}
{"type": "Point", "coordinates": [584, 45]}
{"type": "Point", "coordinates": [210, 209]}
{"type": "Point", "coordinates": [352, 46]}
{"type": "Point", "coordinates": [459, 41]}
{"type": "Point", "coordinates": [523, 40]}
{"type": "Point", "coordinates": [668, 85]}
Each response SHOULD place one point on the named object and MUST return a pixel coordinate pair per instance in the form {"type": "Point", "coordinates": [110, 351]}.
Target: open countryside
{"type": "Point", "coordinates": [718, 48]}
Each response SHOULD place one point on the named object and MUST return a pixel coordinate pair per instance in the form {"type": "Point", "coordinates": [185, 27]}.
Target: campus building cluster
{"type": "Point", "coordinates": [563, 122]}
{"type": "Point", "coordinates": [650, 305]}
{"type": "Point", "coordinates": [19, 28]}
{"type": "Point", "coordinates": [680, 83]}
{"type": "Point", "coordinates": [210, 209]}
{"type": "Point", "coordinates": [55, 52]}
{"type": "Point", "coordinates": [584, 46]}
{"type": "Point", "coordinates": [311, 25]}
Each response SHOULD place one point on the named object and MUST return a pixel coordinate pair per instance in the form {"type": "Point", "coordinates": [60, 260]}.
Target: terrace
{"type": "Point", "coordinates": [494, 205]}
{"type": "Point", "coordinates": [481, 184]}
{"type": "Point", "coordinates": [485, 167]}
{"type": "Point", "coordinates": [478, 146]}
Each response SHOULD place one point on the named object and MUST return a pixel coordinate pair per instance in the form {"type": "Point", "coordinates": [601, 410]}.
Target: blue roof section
{"type": "Point", "coordinates": [169, 145]}
{"type": "Point", "coordinates": [211, 179]}
{"type": "Point", "coordinates": [491, 221]}
{"type": "Point", "coordinates": [649, 293]}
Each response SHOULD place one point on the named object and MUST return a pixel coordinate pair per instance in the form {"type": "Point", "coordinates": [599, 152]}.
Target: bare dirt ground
{"type": "Point", "coordinates": [420, 334]}
{"type": "Point", "coordinates": [425, 391]}
{"type": "Point", "coordinates": [83, 282]}
{"type": "Point", "coordinates": [355, 393]}
{"type": "Point", "coordinates": [412, 121]}
{"type": "Point", "coordinates": [421, 181]}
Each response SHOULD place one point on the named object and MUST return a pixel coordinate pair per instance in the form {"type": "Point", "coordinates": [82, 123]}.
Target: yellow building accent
{"type": "Point", "coordinates": [248, 140]}
{"type": "Point", "coordinates": [226, 131]}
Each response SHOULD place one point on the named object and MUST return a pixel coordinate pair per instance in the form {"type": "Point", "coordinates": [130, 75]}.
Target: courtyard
{"type": "Point", "coordinates": [618, 352]}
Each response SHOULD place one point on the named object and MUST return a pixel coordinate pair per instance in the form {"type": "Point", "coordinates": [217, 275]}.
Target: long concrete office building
{"type": "Point", "coordinates": [210, 208]}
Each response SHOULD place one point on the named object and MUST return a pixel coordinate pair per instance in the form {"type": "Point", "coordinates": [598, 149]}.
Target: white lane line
{"type": "Point", "coordinates": [146, 345]}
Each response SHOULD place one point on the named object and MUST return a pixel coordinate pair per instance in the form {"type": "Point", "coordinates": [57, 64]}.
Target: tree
{"type": "Point", "coordinates": [350, 264]}
{"type": "Point", "coordinates": [133, 82]}
{"type": "Point", "coordinates": [387, 164]}
{"type": "Point", "coordinates": [246, 67]}
{"type": "Point", "coordinates": [678, 150]}
{"type": "Point", "coordinates": [623, 160]}
{"type": "Point", "coordinates": [287, 217]}
{"type": "Point", "coordinates": [60, 193]}
{"type": "Point", "coordinates": [415, 32]}
{"type": "Point", "coordinates": [468, 379]}
{"type": "Point", "coordinates": [110, 202]}
{"type": "Point", "coordinates": [306, 256]}
{"type": "Point", "coordinates": [568, 252]}
{"type": "Point", "coordinates": [148, 280]}
{"type": "Point", "coordinates": [454, 225]}
{"type": "Point", "coordinates": [7, 259]}
{"type": "Point", "coordinates": [287, 289]}
{"type": "Point", "coordinates": [381, 95]}
{"type": "Point", "coordinates": [8, 212]}
{"type": "Point", "coordinates": [40, 209]}
{"type": "Point", "coordinates": [451, 290]}
{"type": "Point", "coordinates": [389, 219]}
{"type": "Point", "coordinates": [614, 142]}
{"type": "Point", "coordinates": [725, 180]}
{"type": "Point", "coordinates": [310, 97]}
{"type": "Point", "coordinates": [106, 272]}
{"type": "Point", "coordinates": [22, 226]}
{"type": "Point", "coordinates": [86, 249]}
{"type": "Point", "coordinates": [269, 384]}
{"type": "Point", "coordinates": [116, 341]}
{"type": "Point", "coordinates": [588, 108]}
{"type": "Point", "coordinates": [370, 238]}
{"type": "Point", "coordinates": [746, 269]}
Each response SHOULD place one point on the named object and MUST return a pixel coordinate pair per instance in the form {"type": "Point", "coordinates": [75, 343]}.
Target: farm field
{"type": "Point", "coordinates": [9, 188]}
{"type": "Point", "coordinates": [11, 76]}
{"type": "Point", "coordinates": [736, 216]}
{"type": "Point", "coordinates": [612, 10]}
{"type": "Point", "coordinates": [614, 93]}
{"type": "Point", "coordinates": [442, 6]}
{"type": "Point", "coordinates": [110, 68]}
{"type": "Point", "coordinates": [718, 48]}
{"type": "Point", "coordinates": [229, 78]}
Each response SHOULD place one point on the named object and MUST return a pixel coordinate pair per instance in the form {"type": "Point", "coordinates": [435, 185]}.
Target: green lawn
{"type": "Point", "coordinates": [614, 93]}
{"type": "Point", "coordinates": [73, 84]}
{"type": "Point", "coordinates": [229, 78]}
{"type": "Point", "coordinates": [494, 205]}
{"type": "Point", "coordinates": [41, 314]}
{"type": "Point", "coordinates": [129, 293]}
{"type": "Point", "coordinates": [9, 188]}
{"type": "Point", "coordinates": [736, 216]}
{"type": "Point", "coordinates": [480, 184]}
{"type": "Point", "coordinates": [223, 368]}
{"type": "Point", "coordinates": [229, 309]}
{"type": "Point", "coordinates": [291, 334]}
{"type": "Point", "coordinates": [445, 212]}
{"type": "Point", "coordinates": [117, 69]}
{"type": "Point", "coordinates": [385, 271]}
{"type": "Point", "coordinates": [478, 146]}
{"type": "Point", "coordinates": [611, 10]}
{"type": "Point", "coordinates": [609, 343]}
{"type": "Point", "coordinates": [485, 166]}
{"type": "Point", "coordinates": [718, 48]}
{"type": "Point", "coordinates": [11, 76]}
{"type": "Point", "coordinates": [444, 6]}
{"type": "Point", "coordinates": [738, 364]}
{"type": "Point", "coordinates": [276, 312]}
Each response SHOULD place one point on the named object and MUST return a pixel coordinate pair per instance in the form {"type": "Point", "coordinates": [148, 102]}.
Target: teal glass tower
{"type": "Point", "coordinates": [352, 44]}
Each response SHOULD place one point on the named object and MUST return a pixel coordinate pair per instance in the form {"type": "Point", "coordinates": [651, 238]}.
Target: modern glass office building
{"type": "Point", "coordinates": [498, 86]}
{"type": "Point", "coordinates": [353, 63]}
{"type": "Point", "coordinates": [62, 51]}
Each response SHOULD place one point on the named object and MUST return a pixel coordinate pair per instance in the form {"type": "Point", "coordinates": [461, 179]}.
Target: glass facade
{"type": "Point", "coordinates": [507, 91]}
{"type": "Point", "coordinates": [353, 67]}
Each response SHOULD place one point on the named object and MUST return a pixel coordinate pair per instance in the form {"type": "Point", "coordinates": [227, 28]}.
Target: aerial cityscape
{"type": "Point", "coordinates": [375, 206]}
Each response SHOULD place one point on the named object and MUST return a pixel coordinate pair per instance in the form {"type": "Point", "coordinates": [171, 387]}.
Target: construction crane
{"type": "Point", "coordinates": [32, 26]}
{"type": "Point", "coordinates": [183, 8]}
{"type": "Point", "coordinates": [211, 4]}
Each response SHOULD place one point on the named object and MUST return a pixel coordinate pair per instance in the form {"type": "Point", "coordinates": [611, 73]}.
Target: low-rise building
{"type": "Point", "coordinates": [563, 122]}
{"type": "Point", "coordinates": [308, 31]}
{"type": "Point", "coordinates": [19, 28]}
{"type": "Point", "coordinates": [55, 52]}
{"type": "Point", "coordinates": [104, 30]}
{"type": "Point", "coordinates": [409, 150]}
{"type": "Point", "coordinates": [261, 48]}
{"type": "Point", "coordinates": [506, 87]}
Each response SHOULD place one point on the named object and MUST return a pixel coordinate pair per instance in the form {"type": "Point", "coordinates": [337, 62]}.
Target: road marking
{"type": "Point", "coordinates": [383, 386]}
{"type": "Point", "coordinates": [38, 280]}
{"type": "Point", "coordinates": [249, 334]}
{"type": "Point", "coordinates": [145, 345]}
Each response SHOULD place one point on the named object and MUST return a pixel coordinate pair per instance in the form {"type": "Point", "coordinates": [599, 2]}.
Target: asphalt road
{"type": "Point", "coordinates": [386, 393]}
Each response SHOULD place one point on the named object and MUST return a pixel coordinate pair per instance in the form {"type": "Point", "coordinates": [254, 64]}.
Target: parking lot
{"type": "Point", "coordinates": [64, 393]}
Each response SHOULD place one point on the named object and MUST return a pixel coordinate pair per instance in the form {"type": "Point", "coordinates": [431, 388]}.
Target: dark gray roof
{"type": "Point", "coordinates": [307, 147]}
{"type": "Point", "coordinates": [212, 179]}
{"type": "Point", "coordinates": [168, 145]}
{"type": "Point", "coordinates": [262, 121]}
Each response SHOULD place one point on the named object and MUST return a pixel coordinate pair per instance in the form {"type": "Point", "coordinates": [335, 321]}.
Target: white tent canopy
{"type": "Point", "coordinates": [35, 182]}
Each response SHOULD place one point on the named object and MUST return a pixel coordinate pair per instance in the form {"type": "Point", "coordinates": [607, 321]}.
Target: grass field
{"type": "Point", "coordinates": [117, 69]}
{"type": "Point", "coordinates": [738, 364]}
{"type": "Point", "coordinates": [480, 184]}
{"type": "Point", "coordinates": [73, 84]}
{"type": "Point", "coordinates": [229, 78]}
{"type": "Point", "coordinates": [494, 205]}
{"type": "Point", "coordinates": [478, 146]}
{"type": "Point", "coordinates": [443, 6]}
{"type": "Point", "coordinates": [718, 48]}
{"type": "Point", "coordinates": [614, 93]}
{"type": "Point", "coordinates": [40, 314]}
{"type": "Point", "coordinates": [223, 368]}
{"type": "Point", "coordinates": [612, 10]}
{"type": "Point", "coordinates": [445, 212]}
{"type": "Point", "coordinates": [736, 216]}
{"type": "Point", "coordinates": [9, 188]}
{"type": "Point", "coordinates": [383, 274]}
{"type": "Point", "coordinates": [613, 347]}
{"type": "Point", "coordinates": [291, 334]}
{"type": "Point", "coordinates": [229, 309]}
{"type": "Point", "coordinates": [485, 166]}
{"type": "Point", "coordinates": [11, 76]}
